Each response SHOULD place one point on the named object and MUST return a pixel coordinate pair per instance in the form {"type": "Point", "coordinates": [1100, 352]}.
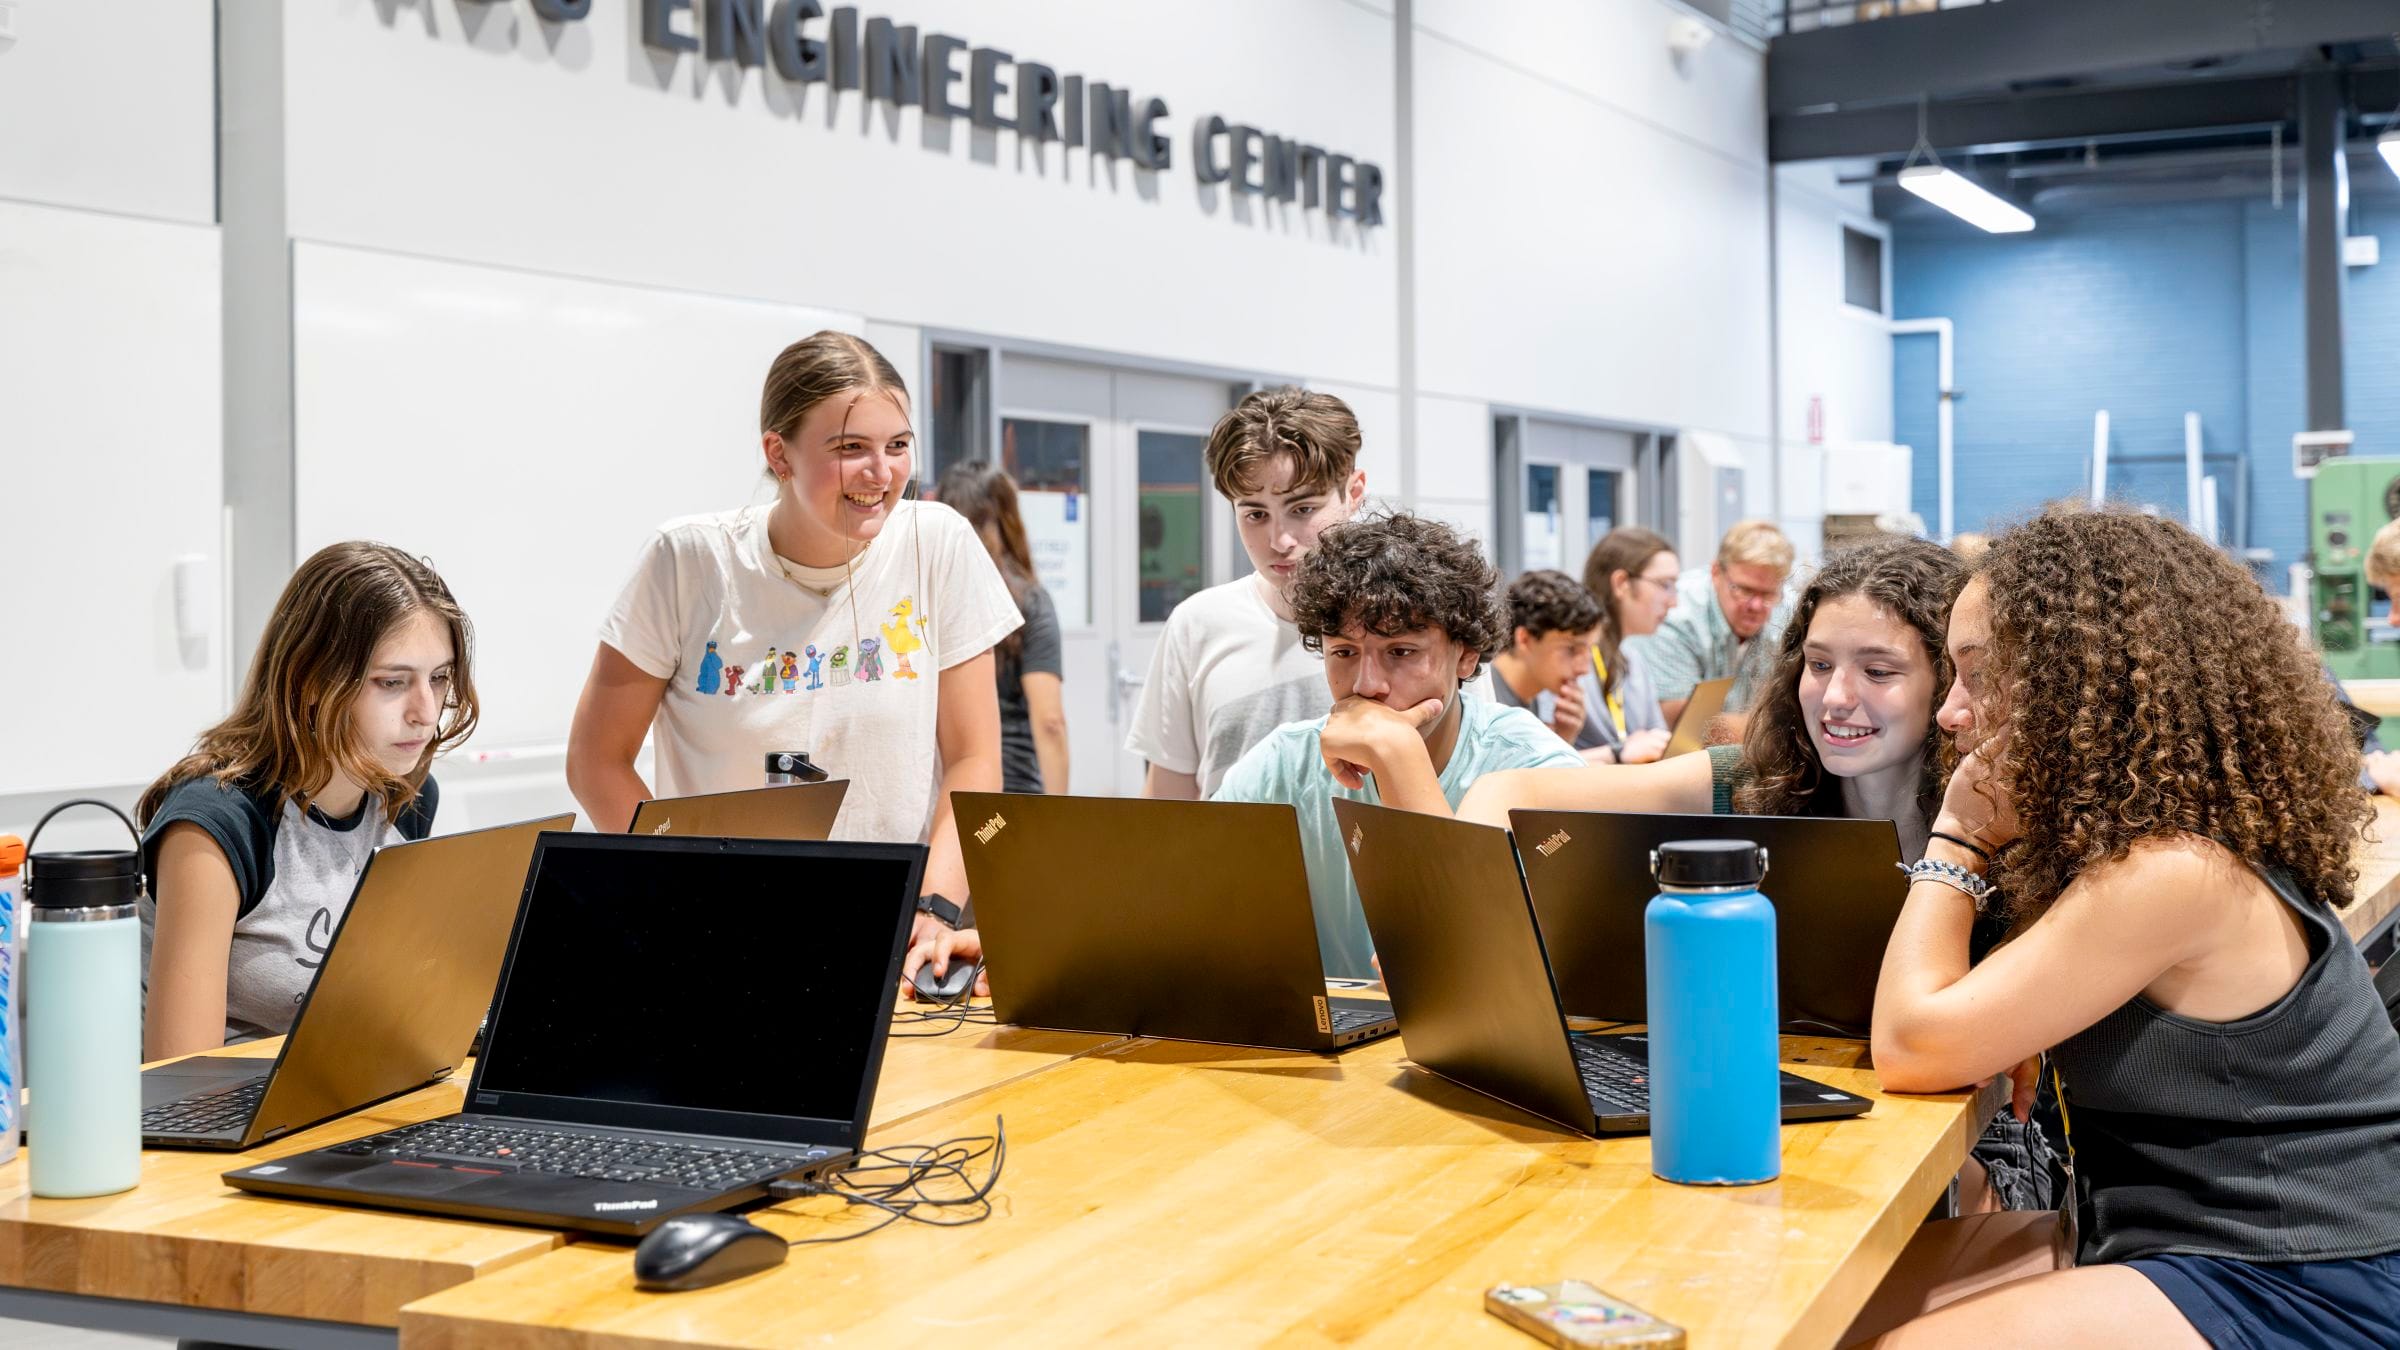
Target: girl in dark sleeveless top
{"type": "Point", "coordinates": [2159, 794]}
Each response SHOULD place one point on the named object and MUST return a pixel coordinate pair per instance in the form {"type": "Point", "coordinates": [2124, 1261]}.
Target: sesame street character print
{"type": "Point", "coordinates": [870, 665]}
{"type": "Point", "coordinates": [790, 671]}
{"type": "Point", "coordinates": [841, 664]}
{"type": "Point", "coordinates": [712, 670]}
{"type": "Point", "coordinates": [733, 680]}
{"type": "Point", "coordinates": [765, 683]}
{"type": "Point", "coordinates": [816, 666]}
{"type": "Point", "coordinates": [901, 641]}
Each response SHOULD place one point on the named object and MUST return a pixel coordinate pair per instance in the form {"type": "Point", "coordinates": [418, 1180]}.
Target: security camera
{"type": "Point", "coordinates": [1686, 36]}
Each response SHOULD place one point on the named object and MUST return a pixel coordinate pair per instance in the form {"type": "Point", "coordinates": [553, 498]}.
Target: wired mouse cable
{"type": "Point", "coordinates": [929, 1184]}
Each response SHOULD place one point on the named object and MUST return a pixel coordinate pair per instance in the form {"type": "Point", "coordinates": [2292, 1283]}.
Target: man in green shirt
{"type": "Point", "coordinates": [1404, 611]}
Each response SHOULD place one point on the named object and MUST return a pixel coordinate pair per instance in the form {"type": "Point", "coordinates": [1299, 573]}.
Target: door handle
{"type": "Point", "coordinates": [1122, 684]}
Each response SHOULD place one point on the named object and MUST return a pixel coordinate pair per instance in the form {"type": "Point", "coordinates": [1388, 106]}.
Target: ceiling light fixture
{"type": "Point", "coordinates": [1958, 194]}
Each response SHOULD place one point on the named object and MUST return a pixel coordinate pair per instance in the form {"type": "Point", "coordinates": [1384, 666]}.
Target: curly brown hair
{"type": "Point", "coordinates": [1396, 573]}
{"type": "Point", "coordinates": [2172, 697]}
{"type": "Point", "coordinates": [1549, 601]}
{"type": "Point", "coordinates": [1909, 578]}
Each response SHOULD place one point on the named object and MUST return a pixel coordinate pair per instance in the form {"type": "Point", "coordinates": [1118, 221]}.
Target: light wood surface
{"type": "Point", "coordinates": [2380, 697]}
{"type": "Point", "coordinates": [1168, 1193]}
{"type": "Point", "coordinates": [2378, 859]}
{"type": "Point", "coordinates": [184, 1237]}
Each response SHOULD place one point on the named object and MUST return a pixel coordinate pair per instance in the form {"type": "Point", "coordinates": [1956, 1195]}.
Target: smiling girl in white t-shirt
{"type": "Point", "coordinates": [841, 619]}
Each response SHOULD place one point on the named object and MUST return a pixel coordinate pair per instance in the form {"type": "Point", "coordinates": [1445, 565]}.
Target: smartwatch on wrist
{"type": "Point", "coordinates": [939, 906]}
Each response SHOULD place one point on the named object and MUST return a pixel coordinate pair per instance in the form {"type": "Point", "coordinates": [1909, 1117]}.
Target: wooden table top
{"type": "Point", "coordinates": [2377, 893]}
{"type": "Point", "coordinates": [184, 1237]}
{"type": "Point", "coordinates": [1167, 1191]}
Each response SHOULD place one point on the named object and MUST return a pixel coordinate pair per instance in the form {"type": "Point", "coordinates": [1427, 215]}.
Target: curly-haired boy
{"type": "Point", "coordinates": [1405, 612]}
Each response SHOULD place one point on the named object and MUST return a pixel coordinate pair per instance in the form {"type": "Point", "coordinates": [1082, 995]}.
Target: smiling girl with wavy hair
{"type": "Point", "coordinates": [2160, 791]}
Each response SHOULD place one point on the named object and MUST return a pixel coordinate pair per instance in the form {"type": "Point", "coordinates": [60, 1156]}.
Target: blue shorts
{"type": "Point", "coordinates": [2302, 1305]}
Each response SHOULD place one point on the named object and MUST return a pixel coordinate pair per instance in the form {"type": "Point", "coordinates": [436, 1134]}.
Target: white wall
{"type": "Point", "coordinates": [1827, 349]}
{"type": "Point", "coordinates": [476, 132]}
{"type": "Point", "coordinates": [1591, 228]}
{"type": "Point", "coordinates": [110, 384]}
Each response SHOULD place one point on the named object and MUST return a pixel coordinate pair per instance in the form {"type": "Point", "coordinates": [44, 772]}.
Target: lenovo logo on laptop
{"type": "Point", "coordinates": [612, 1206]}
{"type": "Point", "coordinates": [990, 827]}
{"type": "Point", "coordinates": [1552, 844]}
{"type": "Point", "coordinates": [1357, 836]}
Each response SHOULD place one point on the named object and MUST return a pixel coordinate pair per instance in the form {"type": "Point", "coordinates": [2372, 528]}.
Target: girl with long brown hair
{"type": "Point", "coordinates": [2160, 793]}
{"type": "Point", "coordinates": [253, 840]}
{"type": "Point", "coordinates": [842, 619]}
{"type": "Point", "coordinates": [1632, 573]}
{"type": "Point", "coordinates": [1033, 716]}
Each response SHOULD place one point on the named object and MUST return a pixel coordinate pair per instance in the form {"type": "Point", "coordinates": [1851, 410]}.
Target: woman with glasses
{"type": "Point", "coordinates": [1632, 573]}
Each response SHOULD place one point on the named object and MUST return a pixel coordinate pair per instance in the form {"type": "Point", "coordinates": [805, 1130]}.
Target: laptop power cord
{"type": "Point", "coordinates": [931, 1184]}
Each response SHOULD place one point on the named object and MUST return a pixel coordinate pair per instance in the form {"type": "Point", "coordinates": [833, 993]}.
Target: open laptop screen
{"type": "Point", "coordinates": [705, 985]}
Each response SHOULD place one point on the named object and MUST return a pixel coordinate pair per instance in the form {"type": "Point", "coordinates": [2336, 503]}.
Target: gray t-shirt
{"type": "Point", "coordinates": [295, 869]}
{"type": "Point", "coordinates": [1020, 766]}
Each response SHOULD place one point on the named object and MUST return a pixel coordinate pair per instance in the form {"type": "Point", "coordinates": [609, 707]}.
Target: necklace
{"type": "Point", "coordinates": [791, 573]}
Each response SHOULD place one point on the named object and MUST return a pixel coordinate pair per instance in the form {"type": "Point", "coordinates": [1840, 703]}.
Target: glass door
{"type": "Point", "coordinates": [1120, 514]}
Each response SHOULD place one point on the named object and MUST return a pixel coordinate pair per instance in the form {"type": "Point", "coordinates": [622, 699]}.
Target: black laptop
{"type": "Point", "coordinates": [680, 1021]}
{"type": "Point", "coordinates": [787, 811]}
{"type": "Point", "coordinates": [407, 975]}
{"type": "Point", "coordinates": [1836, 885]}
{"type": "Point", "coordinates": [1131, 917]}
{"type": "Point", "coordinates": [1464, 961]}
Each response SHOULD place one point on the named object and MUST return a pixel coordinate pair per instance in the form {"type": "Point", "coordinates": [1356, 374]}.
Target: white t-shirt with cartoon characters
{"type": "Point", "coordinates": [757, 660]}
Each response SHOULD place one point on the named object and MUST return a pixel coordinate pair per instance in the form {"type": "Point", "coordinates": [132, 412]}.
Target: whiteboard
{"type": "Point", "coordinates": [526, 432]}
{"type": "Point", "coordinates": [111, 485]}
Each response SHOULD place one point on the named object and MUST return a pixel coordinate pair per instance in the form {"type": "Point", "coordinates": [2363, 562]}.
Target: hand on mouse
{"type": "Point", "coordinates": [944, 948]}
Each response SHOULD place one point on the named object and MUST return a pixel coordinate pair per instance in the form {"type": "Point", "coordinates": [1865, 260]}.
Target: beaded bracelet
{"type": "Point", "coordinates": [1957, 878]}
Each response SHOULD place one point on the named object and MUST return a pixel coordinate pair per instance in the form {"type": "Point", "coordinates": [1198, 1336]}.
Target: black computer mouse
{"type": "Point", "coordinates": [694, 1251]}
{"type": "Point", "coordinates": [948, 988]}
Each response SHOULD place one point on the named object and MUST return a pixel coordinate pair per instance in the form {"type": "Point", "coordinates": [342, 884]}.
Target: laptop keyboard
{"type": "Point", "coordinates": [208, 1112]}
{"type": "Point", "coordinates": [594, 1157]}
{"type": "Point", "coordinates": [1351, 1019]}
{"type": "Point", "coordinates": [1617, 1083]}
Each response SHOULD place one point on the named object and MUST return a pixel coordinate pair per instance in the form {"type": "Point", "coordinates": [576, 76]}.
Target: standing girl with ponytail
{"type": "Point", "coordinates": [843, 619]}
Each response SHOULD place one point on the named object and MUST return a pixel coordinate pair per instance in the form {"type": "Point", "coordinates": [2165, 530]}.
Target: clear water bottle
{"type": "Point", "coordinates": [83, 1016]}
{"type": "Point", "coordinates": [12, 1021]}
{"type": "Point", "coordinates": [1709, 948]}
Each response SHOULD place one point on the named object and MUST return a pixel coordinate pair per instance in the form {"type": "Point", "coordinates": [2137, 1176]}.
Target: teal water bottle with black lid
{"type": "Point", "coordinates": [83, 1016]}
{"type": "Point", "coordinates": [1709, 949]}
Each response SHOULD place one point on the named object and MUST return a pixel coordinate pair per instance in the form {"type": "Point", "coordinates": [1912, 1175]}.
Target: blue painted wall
{"type": "Point", "coordinates": [2149, 312]}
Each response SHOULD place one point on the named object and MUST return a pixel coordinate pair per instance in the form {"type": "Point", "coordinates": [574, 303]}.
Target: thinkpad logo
{"type": "Point", "coordinates": [610, 1206]}
{"type": "Point", "coordinates": [1552, 844]}
{"type": "Point", "coordinates": [990, 827]}
{"type": "Point", "coordinates": [663, 826]}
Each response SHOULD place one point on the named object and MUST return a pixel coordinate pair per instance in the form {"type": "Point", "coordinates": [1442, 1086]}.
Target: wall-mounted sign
{"type": "Point", "coordinates": [946, 76]}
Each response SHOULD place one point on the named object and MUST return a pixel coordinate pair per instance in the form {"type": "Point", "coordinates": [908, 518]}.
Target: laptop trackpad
{"type": "Point", "coordinates": [169, 1082]}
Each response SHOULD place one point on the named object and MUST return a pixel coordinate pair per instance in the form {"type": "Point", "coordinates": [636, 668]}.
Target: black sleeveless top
{"type": "Point", "coordinates": [2272, 1138]}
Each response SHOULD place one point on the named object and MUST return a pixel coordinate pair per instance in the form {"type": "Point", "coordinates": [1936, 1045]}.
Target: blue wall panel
{"type": "Point", "coordinates": [2149, 312]}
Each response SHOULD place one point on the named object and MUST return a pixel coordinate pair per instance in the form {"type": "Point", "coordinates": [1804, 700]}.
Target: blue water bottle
{"type": "Point", "coordinates": [1709, 948]}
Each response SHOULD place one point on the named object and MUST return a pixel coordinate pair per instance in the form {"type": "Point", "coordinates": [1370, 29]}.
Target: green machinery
{"type": "Point", "coordinates": [2348, 501]}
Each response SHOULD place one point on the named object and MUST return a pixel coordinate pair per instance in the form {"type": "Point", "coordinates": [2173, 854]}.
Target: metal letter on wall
{"type": "Point", "coordinates": [983, 86]}
{"type": "Point", "coordinates": [939, 74]}
{"type": "Point", "coordinates": [798, 59]}
{"type": "Point", "coordinates": [562, 11]}
{"type": "Point", "coordinates": [736, 32]}
{"type": "Point", "coordinates": [1204, 149]}
{"type": "Point", "coordinates": [1151, 148]}
{"type": "Point", "coordinates": [658, 26]}
{"type": "Point", "coordinates": [892, 63]}
{"type": "Point", "coordinates": [1037, 101]}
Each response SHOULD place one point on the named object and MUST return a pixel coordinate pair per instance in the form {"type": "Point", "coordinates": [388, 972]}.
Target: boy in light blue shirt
{"type": "Point", "coordinates": [1405, 612]}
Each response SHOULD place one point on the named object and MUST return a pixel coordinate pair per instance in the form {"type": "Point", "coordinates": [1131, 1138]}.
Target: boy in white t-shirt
{"type": "Point", "coordinates": [1230, 668]}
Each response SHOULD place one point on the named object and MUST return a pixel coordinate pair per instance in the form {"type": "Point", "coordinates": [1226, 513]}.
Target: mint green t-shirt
{"type": "Point", "coordinates": [1288, 767]}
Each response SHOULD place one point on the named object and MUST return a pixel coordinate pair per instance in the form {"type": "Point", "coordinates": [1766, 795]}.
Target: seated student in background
{"type": "Point", "coordinates": [254, 840]}
{"type": "Point", "coordinates": [1404, 612]}
{"type": "Point", "coordinates": [1230, 667]}
{"type": "Point", "coordinates": [1546, 666]}
{"type": "Point", "coordinates": [2170, 832]}
{"type": "Point", "coordinates": [1726, 622]}
{"type": "Point", "coordinates": [1632, 572]}
{"type": "Point", "coordinates": [840, 618]}
{"type": "Point", "coordinates": [1033, 715]}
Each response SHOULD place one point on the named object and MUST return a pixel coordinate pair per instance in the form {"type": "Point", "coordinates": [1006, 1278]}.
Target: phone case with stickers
{"type": "Point", "coordinates": [1574, 1314]}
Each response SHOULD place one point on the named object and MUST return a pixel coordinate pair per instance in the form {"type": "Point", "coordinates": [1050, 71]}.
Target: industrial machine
{"type": "Point", "coordinates": [2348, 501]}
